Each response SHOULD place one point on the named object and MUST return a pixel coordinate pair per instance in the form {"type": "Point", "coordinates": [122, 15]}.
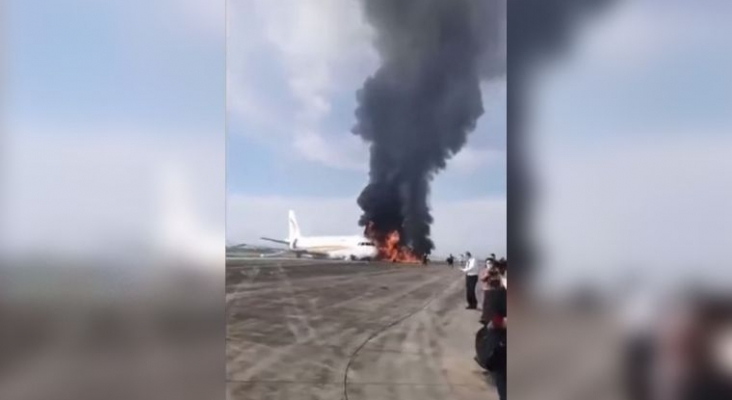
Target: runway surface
{"type": "Point", "coordinates": [331, 330]}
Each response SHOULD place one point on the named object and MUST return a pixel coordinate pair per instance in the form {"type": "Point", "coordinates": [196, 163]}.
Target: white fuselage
{"type": "Point", "coordinates": [355, 247]}
{"type": "Point", "coordinates": [339, 247]}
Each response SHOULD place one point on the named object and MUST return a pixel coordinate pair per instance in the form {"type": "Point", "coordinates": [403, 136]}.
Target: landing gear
{"type": "Point", "coordinates": [353, 258]}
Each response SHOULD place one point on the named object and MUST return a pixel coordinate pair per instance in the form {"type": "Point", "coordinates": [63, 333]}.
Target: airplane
{"type": "Point", "coordinates": [354, 248]}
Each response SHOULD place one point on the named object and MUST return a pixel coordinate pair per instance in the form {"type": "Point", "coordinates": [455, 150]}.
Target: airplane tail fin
{"type": "Point", "coordinates": [294, 232]}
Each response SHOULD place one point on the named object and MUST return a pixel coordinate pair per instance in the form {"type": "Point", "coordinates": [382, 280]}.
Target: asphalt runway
{"type": "Point", "coordinates": [310, 329]}
{"type": "Point", "coordinates": [556, 353]}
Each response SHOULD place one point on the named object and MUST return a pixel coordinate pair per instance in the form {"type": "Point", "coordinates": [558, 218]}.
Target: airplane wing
{"type": "Point", "coordinates": [276, 240]}
{"type": "Point", "coordinates": [317, 254]}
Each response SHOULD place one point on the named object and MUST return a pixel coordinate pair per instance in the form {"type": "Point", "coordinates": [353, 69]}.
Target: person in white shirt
{"type": "Point", "coordinates": [471, 279]}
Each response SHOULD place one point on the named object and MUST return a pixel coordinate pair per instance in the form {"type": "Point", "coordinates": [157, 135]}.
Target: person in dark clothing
{"type": "Point", "coordinates": [493, 318]}
{"type": "Point", "coordinates": [450, 260]}
{"type": "Point", "coordinates": [494, 296]}
{"type": "Point", "coordinates": [502, 265]}
{"type": "Point", "coordinates": [638, 363]}
{"type": "Point", "coordinates": [494, 299]}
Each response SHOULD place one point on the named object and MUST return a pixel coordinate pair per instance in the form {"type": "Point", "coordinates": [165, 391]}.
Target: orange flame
{"type": "Point", "coordinates": [390, 247]}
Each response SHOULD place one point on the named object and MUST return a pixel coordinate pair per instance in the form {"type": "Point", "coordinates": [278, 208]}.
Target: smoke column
{"type": "Point", "coordinates": [419, 107]}
{"type": "Point", "coordinates": [540, 30]}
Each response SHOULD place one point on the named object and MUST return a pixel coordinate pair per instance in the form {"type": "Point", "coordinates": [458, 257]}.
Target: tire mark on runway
{"type": "Point", "coordinates": [383, 329]}
{"type": "Point", "coordinates": [241, 291]}
{"type": "Point", "coordinates": [334, 326]}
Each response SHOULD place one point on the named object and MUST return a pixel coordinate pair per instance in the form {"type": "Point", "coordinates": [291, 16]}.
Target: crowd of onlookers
{"type": "Point", "coordinates": [491, 339]}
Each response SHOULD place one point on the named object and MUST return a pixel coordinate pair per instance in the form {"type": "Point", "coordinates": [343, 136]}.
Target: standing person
{"type": "Point", "coordinates": [494, 349]}
{"type": "Point", "coordinates": [491, 259]}
{"type": "Point", "coordinates": [484, 276]}
{"type": "Point", "coordinates": [502, 267]}
{"type": "Point", "coordinates": [450, 260]}
{"type": "Point", "coordinates": [471, 279]}
{"type": "Point", "coordinates": [640, 340]}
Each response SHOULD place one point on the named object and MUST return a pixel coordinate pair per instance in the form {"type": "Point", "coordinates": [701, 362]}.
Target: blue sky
{"type": "Point", "coordinates": [103, 95]}
{"type": "Point", "coordinates": [116, 62]}
{"type": "Point", "coordinates": [630, 132]}
{"type": "Point", "coordinates": [100, 94]}
{"type": "Point", "coordinates": [262, 166]}
{"type": "Point", "coordinates": [101, 99]}
{"type": "Point", "coordinates": [293, 71]}
{"type": "Point", "coordinates": [263, 160]}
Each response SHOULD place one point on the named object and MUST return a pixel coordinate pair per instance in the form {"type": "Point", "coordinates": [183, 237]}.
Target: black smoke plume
{"type": "Point", "coordinates": [419, 107]}
{"type": "Point", "coordinates": [540, 31]}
